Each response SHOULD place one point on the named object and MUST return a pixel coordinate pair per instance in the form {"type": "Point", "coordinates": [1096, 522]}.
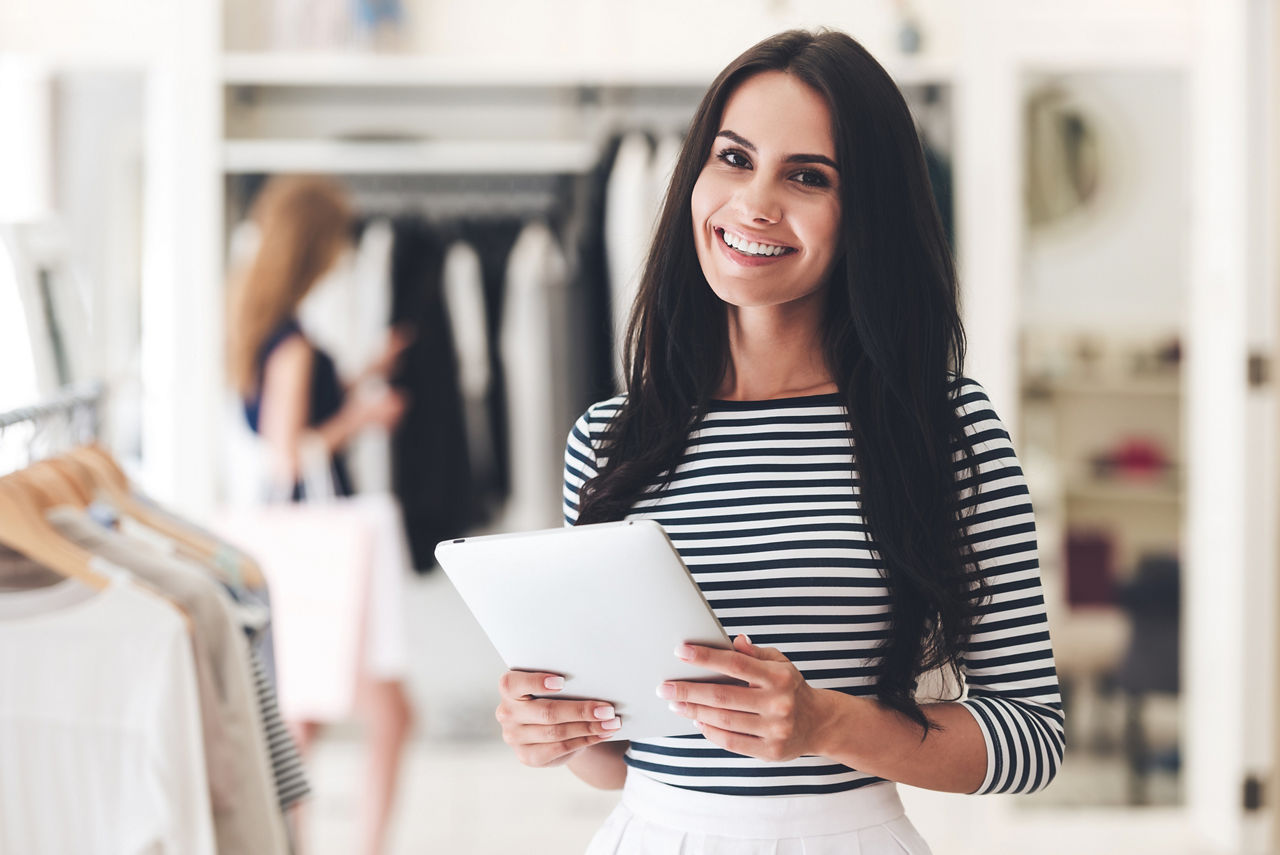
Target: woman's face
{"type": "Point", "coordinates": [766, 206]}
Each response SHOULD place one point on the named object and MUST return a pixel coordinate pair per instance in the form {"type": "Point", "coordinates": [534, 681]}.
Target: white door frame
{"type": "Point", "coordinates": [1208, 41]}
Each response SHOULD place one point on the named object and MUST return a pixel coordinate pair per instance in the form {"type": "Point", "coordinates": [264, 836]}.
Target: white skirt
{"type": "Point", "coordinates": [657, 819]}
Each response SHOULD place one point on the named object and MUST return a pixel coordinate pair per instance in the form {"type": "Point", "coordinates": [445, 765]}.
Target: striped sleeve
{"type": "Point", "coordinates": [1007, 663]}
{"type": "Point", "coordinates": [580, 464]}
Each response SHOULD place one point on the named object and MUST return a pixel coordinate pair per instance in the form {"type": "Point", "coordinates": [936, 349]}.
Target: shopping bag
{"type": "Point", "coordinates": [315, 555]}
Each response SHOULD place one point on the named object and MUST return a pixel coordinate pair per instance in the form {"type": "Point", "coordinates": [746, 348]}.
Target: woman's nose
{"type": "Point", "coordinates": [757, 200]}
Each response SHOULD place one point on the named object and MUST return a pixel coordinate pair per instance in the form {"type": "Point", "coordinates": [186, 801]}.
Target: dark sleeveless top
{"type": "Point", "coordinates": [326, 397]}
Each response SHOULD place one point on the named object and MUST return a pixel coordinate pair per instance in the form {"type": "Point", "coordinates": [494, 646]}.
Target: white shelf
{"type": "Point", "coordinates": [323, 69]}
{"type": "Point", "coordinates": [426, 157]}
{"type": "Point", "coordinates": [1104, 492]}
{"type": "Point", "coordinates": [351, 69]}
{"type": "Point", "coordinates": [1165, 387]}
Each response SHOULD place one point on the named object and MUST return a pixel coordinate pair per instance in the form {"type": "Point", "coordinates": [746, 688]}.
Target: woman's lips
{"type": "Point", "coordinates": [746, 259]}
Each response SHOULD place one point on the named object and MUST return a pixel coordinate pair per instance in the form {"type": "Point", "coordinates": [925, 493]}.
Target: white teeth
{"type": "Point", "coordinates": [751, 247]}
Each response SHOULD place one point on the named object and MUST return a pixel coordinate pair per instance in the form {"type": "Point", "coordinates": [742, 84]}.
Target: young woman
{"type": "Point", "coordinates": [291, 391]}
{"type": "Point", "coordinates": [798, 419]}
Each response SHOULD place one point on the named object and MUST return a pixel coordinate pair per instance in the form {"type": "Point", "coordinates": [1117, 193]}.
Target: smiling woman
{"type": "Point", "coordinates": [798, 420]}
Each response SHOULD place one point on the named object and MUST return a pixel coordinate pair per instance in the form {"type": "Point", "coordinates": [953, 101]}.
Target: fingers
{"type": "Point", "coordinates": [541, 734]}
{"type": "Point", "coordinates": [547, 712]}
{"type": "Point", "coordinates": [520, 707]}
{"type": "Point", "coordinates": [738, 743]}
{"type": "Point", "coordinates": [546, 731]}
{"type": "Point", "coordinates": [553, 753]}
{"type": "Point", "coordinates": [732, 663]}
{"type": "Point", "coordinates": [737, 722]}
{"type": "Point", "coordinates": [717, 695]}
{"type": "Point", "coordinates": [524, 684]}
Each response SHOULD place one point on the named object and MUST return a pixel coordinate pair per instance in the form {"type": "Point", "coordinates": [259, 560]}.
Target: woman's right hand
{"type": "Point", "coordinates": [545, 731]}
{"type": "Point", "coordinates": [377, 404]}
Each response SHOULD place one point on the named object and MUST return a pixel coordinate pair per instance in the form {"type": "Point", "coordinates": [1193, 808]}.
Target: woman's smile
{"type": "Point", "coordinates": [743, 250]}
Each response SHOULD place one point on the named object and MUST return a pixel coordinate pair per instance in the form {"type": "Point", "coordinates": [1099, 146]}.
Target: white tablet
{"type": "Point", "coordinates": [605, 605]}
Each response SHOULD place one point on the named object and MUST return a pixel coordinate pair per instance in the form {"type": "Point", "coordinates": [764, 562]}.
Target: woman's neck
{"type": "Point", "coordinates": [775, 352]}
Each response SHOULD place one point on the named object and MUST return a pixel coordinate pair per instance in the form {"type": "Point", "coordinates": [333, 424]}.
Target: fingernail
{"type": "Point", "coordinates": [554, 684]}
{"type": "Point", "coordinates": [612, 724]}
{"type": "Point", "coordinates": [684, 651]}
{"type": "Point", "coordinates": [666, 691]}
{"type": "Point", "coordinates": [698, 724]}
{"type": "Point", "coordinates": [604, 713]}
{"type": "Point", "coordinates": [677, 707]}
{"type": "Point", "coordinates": [746, 638]}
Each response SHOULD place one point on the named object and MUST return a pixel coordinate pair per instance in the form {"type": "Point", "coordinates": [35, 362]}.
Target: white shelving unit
{"type": "Point", "coordinates": [487, 157]}
{"type": "Point", "coordinates": [355, 69]}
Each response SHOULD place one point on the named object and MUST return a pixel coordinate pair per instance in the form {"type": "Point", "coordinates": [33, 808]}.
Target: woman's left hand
{"type": "Point", "coordinates": [777, 716]}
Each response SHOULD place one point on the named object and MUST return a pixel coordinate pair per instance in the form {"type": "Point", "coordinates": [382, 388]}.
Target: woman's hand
{"type": "Point", "coordinates": [777, 716]}
{"type": "Point", "coordinates": [385, 363]}
{"type": "Point", "coordinates": [547, 732]}
{"type": "Point", "coordinates": [376, 404]}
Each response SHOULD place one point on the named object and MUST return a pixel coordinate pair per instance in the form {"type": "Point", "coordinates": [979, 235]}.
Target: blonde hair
{"type": "Point", "coordinates": [304, 222]}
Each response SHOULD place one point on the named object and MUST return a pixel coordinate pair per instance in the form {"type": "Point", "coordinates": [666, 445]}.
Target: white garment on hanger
{"type": "Point", "coordinates": [464, 298]}
{"type": "Point", "coordinates": [628, 229]}
{"type": "Point", "coordinates": [533, 346]}
{"type": "Point", "coordinates": [463, 279]}
{"type": "Point", "coordinates": [99, 724]}
{"type": "Point", "coordinates": [347, 314]}
{"type": "Point", "coordinates": [661, 167]}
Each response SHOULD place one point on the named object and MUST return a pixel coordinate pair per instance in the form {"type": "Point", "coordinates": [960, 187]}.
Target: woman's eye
{"type": "Point", "coordinates": [733, 157]}
{"type": "Point", "coordinates": [810, 178]}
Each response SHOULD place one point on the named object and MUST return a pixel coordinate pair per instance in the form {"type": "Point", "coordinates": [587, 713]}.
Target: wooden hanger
{"type": "Point", "coordinates": [25, 497]}
{"type": "Point", "coordinates": [52, 485]}
{"type": "Point", "coordinates": [24, 528]}
{"type": "Point", "coordinates": [76, 473]}
{"type": "Point", "coordinates": [111, 480]}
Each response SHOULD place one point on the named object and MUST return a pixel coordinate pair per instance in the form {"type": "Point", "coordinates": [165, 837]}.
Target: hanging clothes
{"type": "Point", "coordinates": [251, 608]}
{"type": "Point", "coordinates": [590, 287]}
{"type": "Point", "coordinates": [628, 226]}
{"type": "Point", "coordinates": [431, 469]}
{"type": "Point", "coordinates": [469, 326]}
{"type": "Point", "coordinates": [493, 240]}
{"type": "Point", "coordinates": [534, 359]}
{"type": "Point", "coordinates": [103, 751]}
{"type": "Point", "coordinates": [663, 166]}
{"type": "Point", "coordinates": [348, 316]}
{"type": "Point", "coordinates": [245, 801]}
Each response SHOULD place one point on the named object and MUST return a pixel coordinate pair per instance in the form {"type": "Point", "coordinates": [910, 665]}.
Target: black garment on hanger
{"type": "Point", "coordinates": [591, 280]}
{"type": "Point", "coordinates": [431, 473]}
{"type": "Point", "coordinates": [492, 240]}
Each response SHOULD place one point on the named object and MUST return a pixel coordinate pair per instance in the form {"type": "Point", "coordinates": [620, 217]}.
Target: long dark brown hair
{"type": "Point", "coordinates": [893, 342]}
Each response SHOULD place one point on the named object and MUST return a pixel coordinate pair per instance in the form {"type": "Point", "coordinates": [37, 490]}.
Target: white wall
{"type": "Point", "coordinates": [703, 34]}
{"type": "Point", "coordinates": [1122, 262]}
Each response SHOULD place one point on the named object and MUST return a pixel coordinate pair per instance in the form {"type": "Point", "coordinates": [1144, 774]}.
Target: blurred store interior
{"type": "Point", "coordinates": [1109, 171]}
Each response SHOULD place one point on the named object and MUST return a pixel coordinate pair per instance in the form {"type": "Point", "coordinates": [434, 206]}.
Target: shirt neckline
{"type": "Point", "coordinates": [821, 398]}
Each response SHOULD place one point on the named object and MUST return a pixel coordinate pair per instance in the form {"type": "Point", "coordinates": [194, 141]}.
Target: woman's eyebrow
{"type": "Point", "coordinates": [795, 158]}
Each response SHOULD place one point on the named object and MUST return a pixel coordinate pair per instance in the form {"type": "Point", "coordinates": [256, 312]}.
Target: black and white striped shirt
{"type": "Point", "coordinates": [763, 507]}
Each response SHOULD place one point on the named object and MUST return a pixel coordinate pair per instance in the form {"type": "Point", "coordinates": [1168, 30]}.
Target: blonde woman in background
{"type": "Point", "coordinates": [291, 391]}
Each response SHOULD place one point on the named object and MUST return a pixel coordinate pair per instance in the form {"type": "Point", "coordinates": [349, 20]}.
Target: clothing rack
{"type": "Point", "coordinates": [72, 417]}
{"type": "Point", "coordinates": [82, 400]}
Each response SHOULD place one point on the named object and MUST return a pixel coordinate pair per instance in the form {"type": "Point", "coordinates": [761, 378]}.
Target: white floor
{"type": "Point", "coordinates": [473, 797]}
